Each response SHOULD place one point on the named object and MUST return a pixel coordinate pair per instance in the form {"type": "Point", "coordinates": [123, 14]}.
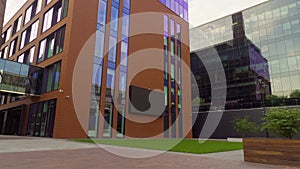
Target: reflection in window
{"type": "Point", "coordinates": [28, 15]}
{"type": "Point", "coordinates": [55, 14]}
{"type": "Point", "coordinates": [114, 19]}
{"type": "Point", "coordinates": [102, 13]}
{"type": "Point", "coordinates": [52, 77]}
{"type": "Point", "coordinates": [124, 53]}
{"type": "Point", "coordinates": [52, 45]}
{"type": "Point", "coordinates": [8, 34]}
{"type": "Point", "coordinates": [99, 47]}
{"type": "Point", "coordinates": [4, 52]}
{"type": "Point", "coordinates": [17, 25]}
{"type": "Point", "coordinates": [47, 20]}
{"type": "Point", "coordinates": [41, 119]}
{"type": "Point", "coordinates": [112, 49]}
{"type": "Point", "coordinates": [34, 8]}
{"type": "Point", "coordinates": [29, 34]}
{"type": "Point", "coordinates": [34, 31]}
{"type": "Point", "coordinates": [48, 1]}
{"type": "Point", "coordinates": [27, 57]}
{"type": "Point", "coordinates": [12, 49]}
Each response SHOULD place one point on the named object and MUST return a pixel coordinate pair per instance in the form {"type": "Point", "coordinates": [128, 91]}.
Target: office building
{"type": "Point", "coordinates": [259, 52]}
{"type": "Point", "coordinates": [258, 48]}
{"type": "Point", "coordinates": [75, 77]}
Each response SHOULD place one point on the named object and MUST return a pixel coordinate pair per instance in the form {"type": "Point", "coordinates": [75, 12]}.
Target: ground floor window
{"type": "Point", "coordinates": [41, 119]}
{"type": "Point", "coordinates": [11, 121]}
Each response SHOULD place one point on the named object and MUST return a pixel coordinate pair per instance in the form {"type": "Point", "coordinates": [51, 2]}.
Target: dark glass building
{"type": "Point", "coordinates": [259, 49]}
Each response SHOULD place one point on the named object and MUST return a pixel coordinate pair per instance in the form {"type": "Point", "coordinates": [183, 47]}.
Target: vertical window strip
{"type": "Point", "coordinates": [166, 76]}
{"type": "Point", "coordinates": [93, 128]}
{"type": "Point", "coordinates": [123, 70]}
{"type": "Point", "coordinates": [111, 74]}
{"type": "Point", "coordinates": [179, 80]}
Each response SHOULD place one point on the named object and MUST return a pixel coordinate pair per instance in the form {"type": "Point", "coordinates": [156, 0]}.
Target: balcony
{"type": "Point", "coordinates": [20, 79]}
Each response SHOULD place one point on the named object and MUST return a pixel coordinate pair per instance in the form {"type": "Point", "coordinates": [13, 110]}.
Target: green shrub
{"type": "Point", "coordinates": [274, 97]}
{"type": "Point", "coordinates": [282, 121]}
{"type": "Point", "coordinates": [295, 94]}
{"type": "Point", "coordinates": [244, 126]}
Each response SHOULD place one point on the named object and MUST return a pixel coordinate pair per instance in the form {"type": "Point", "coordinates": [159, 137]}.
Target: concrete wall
{"type": "Point", "coordinates": [225, 128]}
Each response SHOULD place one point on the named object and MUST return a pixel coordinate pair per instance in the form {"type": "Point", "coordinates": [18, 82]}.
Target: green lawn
{"type": "Point", "coordinates": [186, 146]}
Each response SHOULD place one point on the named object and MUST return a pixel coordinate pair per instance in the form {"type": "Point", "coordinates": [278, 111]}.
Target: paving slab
{"type": "Point", "coordinates": [237, 155]}
{"type": "Point", "coordinates": [39, 144]}
{"type": "Point", "coordinates": [53, 153]}
{"type": "Point", "coordinates": [96, 158]}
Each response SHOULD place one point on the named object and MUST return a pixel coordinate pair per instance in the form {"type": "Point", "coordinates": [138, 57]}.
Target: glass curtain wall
{"type": "Point", "coordinates": [172, 78]}
{"type": "Point", "coordinates": [260, 52]}
{"type": "Point", "coordinates": [123, 67]}
{"type": "Point", "coordinates": [97, 71]}
{"type": "Point", "coordinates": [115, 71]}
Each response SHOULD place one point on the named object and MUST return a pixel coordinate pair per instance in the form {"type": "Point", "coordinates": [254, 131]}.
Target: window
{"type": "Point", "coordinates": [112, 49]}
{"type": "Point", "coordinates": [55, 14]}
{"type": "Point", "coordinates": [28, 15]}
{"type": "Point", "coordinates": [17, 25]}
{"type": "Point", "coordinates": [34, 8]}
{"type": "Point", "coordinates": [47, 20]}
{"type": "Point", "coordinates": [34, 31]}
{"type": "Point", "coordinates": [4, 53]}
{"type": "Point", "coordinates": [125, 25]}
{"type": "Point", "coordinates": [52, 45]}
{"type": "Point", "coordinates": [12, 49]}
{"type": "Point", "coordinates": [41, 119]}
{"type": "Point", "coordinates": [27, 57]}
{"type": "Point", "coordinates": [52, 77]}
{"type": "Point", "coordinates": [124, 53]}
{"type": "Point", "coordinates": [48, 1]}
{"type": "Point", "coordinates": [102, 13]}
{"type": "Point", "coordinates": [38, 6]}
{"type": "Point", "coordinates": [29, 34]}
{"type": "Point", "coordinates": [114, 19]}
{"type": "Point", "coordinates": [23, 38]}
{"type": "Point", "coordinates": [7, 34]}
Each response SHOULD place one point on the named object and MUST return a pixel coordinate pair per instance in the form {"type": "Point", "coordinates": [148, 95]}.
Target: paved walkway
{"type": "Point", "coordinates": [51, 153]}
{"type": "Point", "coordinates": [39, 144]}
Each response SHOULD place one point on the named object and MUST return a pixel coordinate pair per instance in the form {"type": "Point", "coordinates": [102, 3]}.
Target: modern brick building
{"type": "Point", "coordinates": [61, 49]}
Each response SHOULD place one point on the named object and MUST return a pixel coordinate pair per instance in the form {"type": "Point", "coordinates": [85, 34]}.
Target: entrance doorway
{"type": "Point", "coordinates": [11, 121]}
{"type": "Point", "coordinates": [41, 119]}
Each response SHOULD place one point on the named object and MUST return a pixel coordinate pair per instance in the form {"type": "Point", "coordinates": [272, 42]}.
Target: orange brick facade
{"type": "Point", "coordinates": [81, 23]}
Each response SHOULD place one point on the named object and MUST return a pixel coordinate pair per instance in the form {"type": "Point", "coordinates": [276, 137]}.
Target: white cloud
{"type": "Point", "coordinates": [203, 11]}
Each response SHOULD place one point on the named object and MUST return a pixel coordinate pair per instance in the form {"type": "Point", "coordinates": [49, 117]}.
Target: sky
{"type": "Point", "coordinates": [201, 11]}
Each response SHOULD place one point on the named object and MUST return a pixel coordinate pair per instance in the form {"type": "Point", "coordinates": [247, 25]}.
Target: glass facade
{"type": "Point", "coordinates": [180, 7]}
{"type": "Point", "coordinates": [112, 74]}
{"type": "Point", "coordinates": [55, 14]}
{"type": "Point", "coordinates": [260, 52]}
{"type": "Point", "coordinates": [20, 78]}
{"type": "Point", "coordinates": [41, 119]}
{"type": "Point", "coordinates": [52, 45]}
{"type": "Point", "coordinates": [172, 78]}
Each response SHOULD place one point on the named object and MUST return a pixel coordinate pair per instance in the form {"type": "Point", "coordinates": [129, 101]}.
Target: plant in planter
{"type": "Point", "coordinates": [244, 126]}
{"type": "Point", "coordinates": [282, 122]}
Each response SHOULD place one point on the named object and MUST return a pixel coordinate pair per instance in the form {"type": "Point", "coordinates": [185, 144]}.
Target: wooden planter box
{"type": "Point", "coordinates": [272, 151]}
